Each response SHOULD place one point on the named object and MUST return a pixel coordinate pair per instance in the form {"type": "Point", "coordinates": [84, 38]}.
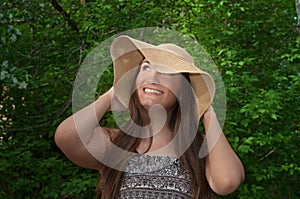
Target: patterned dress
{"type": "Point", "coordinates": [155, 177]}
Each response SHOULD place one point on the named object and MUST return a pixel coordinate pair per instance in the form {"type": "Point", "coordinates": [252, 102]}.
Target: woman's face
{"type": "Point", "coordinates": [156, 88]}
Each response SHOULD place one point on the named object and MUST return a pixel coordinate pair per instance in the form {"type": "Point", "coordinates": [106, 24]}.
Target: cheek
{"type": "Point", "coordinates": [138, 81]}
{"type": "Point", "coordinates": [140, 78]}
{"type": "Point", "coordinates": [169, 100]}
{"type": "Point", "coordinates": [173, 97]}
{"type": "Point", "coordinates": [173, 84]}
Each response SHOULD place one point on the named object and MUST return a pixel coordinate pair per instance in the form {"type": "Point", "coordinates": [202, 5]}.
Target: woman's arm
{"type": "Point", "coordinates": [78, 136]}
{"type": "Point", "coordinates": [224, 170]}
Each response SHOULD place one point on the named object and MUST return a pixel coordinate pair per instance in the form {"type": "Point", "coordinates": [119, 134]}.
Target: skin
{"type": "Point", "coordinates": [224, 170]}
{"type": "Point", "coordinates": [164, 86]}
{"type": "Point", "coordinates": [161, 89]}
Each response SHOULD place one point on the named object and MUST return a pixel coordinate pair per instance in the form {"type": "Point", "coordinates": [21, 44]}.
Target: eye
{"type": "Point", "coordinates": [146, 67]}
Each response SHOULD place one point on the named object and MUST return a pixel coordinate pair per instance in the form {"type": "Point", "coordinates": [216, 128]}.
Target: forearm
{"type": "Point", "coordinates": [80, 126]}
{"type": "Point", "coordinates": [224, 169]}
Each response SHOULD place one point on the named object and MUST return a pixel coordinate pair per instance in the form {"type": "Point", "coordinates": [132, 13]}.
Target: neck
{"type": "Point", "coordinates": [159, 140]}
{"type": "Point", "coordinates": [162, 136]}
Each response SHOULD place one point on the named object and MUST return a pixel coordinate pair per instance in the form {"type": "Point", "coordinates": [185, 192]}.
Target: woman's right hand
{"type": "Point", "coordinates": [110, 93]}
{"type": "Point", "coordinates": [114, 102]}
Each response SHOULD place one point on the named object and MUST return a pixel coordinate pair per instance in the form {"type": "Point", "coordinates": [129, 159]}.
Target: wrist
{"type": "Point", "coordinates": [103, 102]}
{"type": "Point", "coordinates": [209, 116]}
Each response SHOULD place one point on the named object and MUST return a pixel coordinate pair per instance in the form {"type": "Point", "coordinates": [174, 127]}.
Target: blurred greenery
{"type": "Point", "coordinates": [255, 44]}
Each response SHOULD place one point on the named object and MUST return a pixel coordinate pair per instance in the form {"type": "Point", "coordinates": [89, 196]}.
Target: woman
{"type": "Point", "coordinates": [155, 153]}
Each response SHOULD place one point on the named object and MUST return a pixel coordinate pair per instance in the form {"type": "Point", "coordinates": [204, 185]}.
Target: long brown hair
{"type": "Point", "coordinates": [181, 122]}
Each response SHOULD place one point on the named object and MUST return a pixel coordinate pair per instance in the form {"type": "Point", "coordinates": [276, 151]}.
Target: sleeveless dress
{"type": "Point", "coordinates": [155, 177]}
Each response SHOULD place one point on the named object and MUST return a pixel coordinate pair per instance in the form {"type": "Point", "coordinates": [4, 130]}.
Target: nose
{"type": "Point", "coordinates": [154, 75]}
{"type": "Point", "coordinates": [150, 74]}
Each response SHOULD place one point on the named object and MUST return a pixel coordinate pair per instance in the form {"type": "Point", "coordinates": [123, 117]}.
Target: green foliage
{"type": "Point", "coordinates": [31, 169]}
{"type": "Point", "coordinates": [254, 43]}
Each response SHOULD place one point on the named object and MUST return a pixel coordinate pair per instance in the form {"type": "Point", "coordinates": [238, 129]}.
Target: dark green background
{"type": "Point", "coordinates": [255, 44]}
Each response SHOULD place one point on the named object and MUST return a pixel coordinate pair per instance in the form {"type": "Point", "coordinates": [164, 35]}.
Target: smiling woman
{"type": "Point", "coordinates": [165, 95]}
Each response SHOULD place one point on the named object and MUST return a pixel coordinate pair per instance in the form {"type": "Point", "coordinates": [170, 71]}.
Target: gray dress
{"type": "Point", "coordinates": [158, 177]}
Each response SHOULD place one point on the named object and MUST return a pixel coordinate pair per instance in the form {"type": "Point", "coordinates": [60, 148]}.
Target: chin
{"type": "Point", "coordinates": [147, 106]}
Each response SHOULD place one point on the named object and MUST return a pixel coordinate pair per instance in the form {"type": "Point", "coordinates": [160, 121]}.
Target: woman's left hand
{"type": "Point", "coordinates": [208, 114]}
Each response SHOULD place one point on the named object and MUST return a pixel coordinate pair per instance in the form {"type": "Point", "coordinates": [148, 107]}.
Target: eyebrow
{"type": "Point", "coordinates": [145, 61]}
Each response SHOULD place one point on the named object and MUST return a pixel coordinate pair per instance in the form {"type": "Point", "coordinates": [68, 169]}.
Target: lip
{"type": "Point", "coordinates": [152, 91]}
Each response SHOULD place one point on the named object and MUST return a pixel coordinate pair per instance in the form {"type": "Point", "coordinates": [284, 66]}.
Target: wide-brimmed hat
{"type": "Point", "coordinates": [128, 53]}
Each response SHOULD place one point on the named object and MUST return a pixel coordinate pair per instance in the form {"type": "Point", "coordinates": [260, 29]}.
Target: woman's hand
{"type": "Point", "coordinates": [207, 116]}
{"type": "Point", "coordinates": [115, 104]}
{"type": "Point", "coordinates": [109, 95]}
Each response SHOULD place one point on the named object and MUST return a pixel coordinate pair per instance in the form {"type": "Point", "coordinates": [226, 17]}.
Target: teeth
{"type": "Point", "coordinates": [148, 90]}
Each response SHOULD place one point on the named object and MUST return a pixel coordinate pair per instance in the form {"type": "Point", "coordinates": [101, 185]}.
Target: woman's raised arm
{"type": "Point", "coordinates": [79, 137]}
{"type": "Point", "coordinates": [224, 170]}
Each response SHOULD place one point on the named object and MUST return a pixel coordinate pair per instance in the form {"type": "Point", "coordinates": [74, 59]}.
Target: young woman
{"type": "Point", "coordinates": [158, 152]}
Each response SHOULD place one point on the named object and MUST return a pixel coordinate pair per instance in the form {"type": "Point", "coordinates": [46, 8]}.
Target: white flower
{"type": "Point", "coordinates": [13, 38]}
{"type": "Point", "coordinates": [14, 79]}
{"type": "Point", "coordinates": [3, 75]}
{"type": "Point", "coordinates": [22, 85]}
{"type": "Point", "coordinates": [18, 31]}
{"type": "Point", "coordinates": [5, 63]}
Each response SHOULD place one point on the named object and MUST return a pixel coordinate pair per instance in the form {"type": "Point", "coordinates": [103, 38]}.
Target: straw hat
{"type": "Point", "coordinates": [127, 53]}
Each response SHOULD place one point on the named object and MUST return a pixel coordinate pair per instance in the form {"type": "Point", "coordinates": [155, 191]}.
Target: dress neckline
{"type": "Point", "coordinates": [142, 163]}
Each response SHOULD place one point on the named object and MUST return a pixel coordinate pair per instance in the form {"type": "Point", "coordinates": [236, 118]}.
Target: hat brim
{"type": "Point", "coordinates": [128, 53]}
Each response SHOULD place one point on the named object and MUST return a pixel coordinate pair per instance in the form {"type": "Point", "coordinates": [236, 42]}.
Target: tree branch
{"type": "Point", "coordinates": [65, 15]}
{"type": "Point", "coordinates": [49, 122]}
{"type": "Point", "coordinates": [268, 154]}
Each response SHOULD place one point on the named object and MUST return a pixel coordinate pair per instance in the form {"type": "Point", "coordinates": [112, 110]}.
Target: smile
{"type": "Point", "coordinates": [152, 91]}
